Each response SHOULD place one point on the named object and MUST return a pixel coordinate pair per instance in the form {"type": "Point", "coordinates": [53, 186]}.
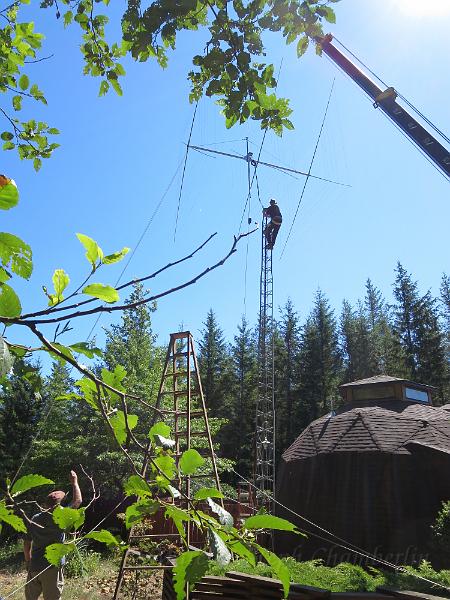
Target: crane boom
{"type": "Point", "coordinates": [386, 100]}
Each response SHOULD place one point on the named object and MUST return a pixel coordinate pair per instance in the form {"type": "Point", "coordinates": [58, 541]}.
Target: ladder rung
{"type": "Point", "coordinates": [147, 568]}
{"type": "Point", "coordinates": [193, 433]}
{"type": "Point", "coordinates": [179, 355]}
{"type": "Point", "coordinates": [153, 535]}
{"type": "Point", "coordinates": [178, 393]}
{"type": "Point", "coordinates": [178, 373]}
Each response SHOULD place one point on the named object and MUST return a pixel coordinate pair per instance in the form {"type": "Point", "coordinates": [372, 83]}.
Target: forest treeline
{"type": "Point", "coordinates": [314, 354]}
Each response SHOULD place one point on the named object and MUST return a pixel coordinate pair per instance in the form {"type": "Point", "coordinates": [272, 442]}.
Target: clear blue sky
{"type": "Point", "coordinates": [119, 154]}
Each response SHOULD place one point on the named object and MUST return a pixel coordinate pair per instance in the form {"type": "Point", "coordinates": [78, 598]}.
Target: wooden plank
{"type": "Point", "coordinates": [312, 592]}
{"type": "Point", "coordinates": [359, 596]}
{"type": "Point", "coordinates": [408, 594]}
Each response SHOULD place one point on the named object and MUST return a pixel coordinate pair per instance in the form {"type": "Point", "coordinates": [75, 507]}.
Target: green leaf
{"type": "Point", "coordinates": [54, 553]}
{"type": "Point", "coordinates": [93, 251]}
{"type": "Point", "coordinates": [190, 461]}
{"type": "Point", "coordinates": [224, 516]}
{"type": "Point", "coordinates": [190, 568]}
{"type": "Point", "coordinates": [16, 254]}
{"type": "Point", "coordinates": [6, 360]}
{"type": "Point", "coordinates": [269, 522]}
{"type": "Point", "coordinates": [28, 482]}
{"type": "Point", "coordinates": [204, 493]}
{"type": "Point", "coordinates": [104, 87]}
{"type": "Point", "coordinates": [60, 282]}
{"type": "Point", "coordinates": [119, 426]}
{"type": "Point", "coordinates": [136, 486]}
{"type": "Point", "coordinates": [90, 392]}
{"type": "Point", "coordinates": [115, 378]}
{"type": "Point", "coordinates": [278, 567]}
{"type": "Point", "coordinates": [178, 516]}
{"type": "Point", "coordinates": [17, 102]}
{"type": "Point", "coordinates": [68, 18]}
{"type": "Point", "coordinates": [6, 136]}
{"type": "Point", "coordinates": [86, 349]}
{"type": "Point", "coordinates": [159, 428]}
{"type": "Point", "coordinates": [102, 292]}
{"type": "Point", "coordinates": [116, 86]}
{"type": "Point", "coordinates": [9, 194]}
{"type": "Point", "coordinates": [115, 257]}
{"type": "Point", "coordinates": [9, 302]}
{"type": "Point", "coordinates": [7, 516]}
{"type": "Point", "coordinates": [18, 351]}
{"type": "Point", "coordinates": [242, 551]}
{"type": "Point", "coordinates": [302, 45]}
{"type": "Point", "coordinates": [164, 442]}
{"type": "Point", "coordinates": [24, 82]}
{"type": "Point", "coordinates": [4, 275]}
{"type": "Point", "coordinates": [68, 518]}
{"type": "Point", "coordinates": [165, 464]}
{"type": "Point", "coordinates": [103, 536]}
{"type": "Point", "coordinates": [219, 550]}
{"type": "Point", "coordinates": [139, 510]}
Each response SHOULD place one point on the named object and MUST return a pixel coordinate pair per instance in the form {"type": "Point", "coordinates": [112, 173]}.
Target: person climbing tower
{"type": "Point", "coordinates": [273, 227]}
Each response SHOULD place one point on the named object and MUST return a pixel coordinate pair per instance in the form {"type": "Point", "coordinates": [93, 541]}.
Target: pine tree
{"type": "Point", "coordinates": [131, 344]}
{"type": "Point", "coordinates": [445, 311]}
{"type": "Point", "coordinates": [355, 342]}
{"type": "Point", "coordinates": [240, 395]}
{"type": "Point", "coordinates": [213, 364]}
{"type": "Point", "coordinates": [20, 412]}
{"type": "Point", "coordinates": [418, 328]}
{"type": "Point", "coordinates": [320, 362]}
{"type": "Point", "coordinates": [287, 348]}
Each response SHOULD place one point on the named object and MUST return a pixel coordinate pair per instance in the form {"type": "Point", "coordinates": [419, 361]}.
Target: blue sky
{"type": "Point", "coordinates": [118, 156]}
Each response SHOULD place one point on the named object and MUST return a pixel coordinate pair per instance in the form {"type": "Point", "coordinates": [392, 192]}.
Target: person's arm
{"type": "Point", "coordinates": [27, 550]}
{"type": "Point", "coordinates": [76, 492]}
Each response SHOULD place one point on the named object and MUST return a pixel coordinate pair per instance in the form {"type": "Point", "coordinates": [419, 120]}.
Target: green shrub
{"type": "Point", "coordinates": [11, 554]}
{"type": "Point", "coordinates": [82, 562]}
{"type": "Point", "coordinates": [440, 530]}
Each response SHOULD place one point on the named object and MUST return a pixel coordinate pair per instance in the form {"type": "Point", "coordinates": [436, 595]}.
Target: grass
{"type": "Point", "coordinates": [347, 577]}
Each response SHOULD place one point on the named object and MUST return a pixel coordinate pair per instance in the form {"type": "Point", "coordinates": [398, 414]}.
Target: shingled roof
{"type": "Point", "coordinates": [384, 379]}
{"type": "Point", "coordinates": [391, 428]}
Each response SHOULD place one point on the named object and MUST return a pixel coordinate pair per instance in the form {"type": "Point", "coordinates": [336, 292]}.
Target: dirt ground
{"type": "Point", "coordinates": [98, 586]}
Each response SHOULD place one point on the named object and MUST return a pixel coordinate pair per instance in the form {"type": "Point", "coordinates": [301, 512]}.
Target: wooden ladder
{"type": "Point", "coordinates": [181, 404]}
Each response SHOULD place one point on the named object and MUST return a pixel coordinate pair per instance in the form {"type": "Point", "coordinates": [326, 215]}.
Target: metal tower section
{"type": "Point", "coordinates": [265, 408]}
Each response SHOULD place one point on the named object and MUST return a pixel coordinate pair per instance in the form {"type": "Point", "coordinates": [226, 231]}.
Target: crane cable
{"type": "Point", "coordinates": [309, 170]}
{"type": "Point", "coordinates": [141, 238]}
{"type": "Point", "coordinates": [346, 545]}
{"type": "Point", "coordinates": [184, 170]}
{"type": "Point", "coordinates": [410, 104]}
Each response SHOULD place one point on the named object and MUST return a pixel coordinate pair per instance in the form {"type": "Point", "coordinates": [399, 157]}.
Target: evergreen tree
{"type": "Point", "coordinates": [131, 344]}
{"type": "Point", "coordinates": [320, 362]}
{"type": "Point", "coordinates": [445, 301]}
{"type": "Point", "coordinates": [20, 411]}
{"type": "Point", "coordinates": [418, 328]}
{"type": "Point", "coordinates": [287, 348]}
{"type": "Point", "coordinates": [241, 390]}
{"type": "Point", "coordinates": [213, 364]}
{"type": "Point", "coordinates": [355, 342]}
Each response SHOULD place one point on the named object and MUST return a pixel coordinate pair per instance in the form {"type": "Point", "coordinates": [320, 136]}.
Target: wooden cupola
{"type": "Point", "coordinates": [383, 387]}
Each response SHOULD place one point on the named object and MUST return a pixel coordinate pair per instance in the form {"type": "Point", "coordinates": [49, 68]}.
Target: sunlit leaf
{"type": "Point", "coordinates": [9, 194]}
{"type": "Point", "coordinates": [16, 255]}
{"type": "Point", "coordinates": [28, 482]}
{"type": "Point", "coordinates": [115, 257]}
{"type": "Point", "coordinates": [204, 493]}
{"type": "Point", "coordinates": [278, 567]}
{"type": "Point", "coordinates": [219, 550]}
{"type": "Point", "coordinates": [190, 461]}
{"type": "Point", "coordinates": [136, 486]}
{"type": "Point", "coordinates": [68, 518]}
{"type": "Point", "coordinates": [7, 516]}
{"type": "Point", "coordinates": [103, 292]}
{"type": "Point", "coordinates": [189, 568]}
{"type": "Point", "coordinates": [9, 302]}
{"type": "Point", "coordinates": [54, 553]}
{"type": "Point", "coordinates": [269, 522]}
{"type": "Point", "coordinates": [103, 536]}
{"type": "Point", "coordinates": [119, 425]}
{"type": "Point", "coordinates": [93, 251]}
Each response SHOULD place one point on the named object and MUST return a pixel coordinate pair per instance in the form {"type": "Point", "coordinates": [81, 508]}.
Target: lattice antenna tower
{"type": "Point", "coordinates": [265, 407]}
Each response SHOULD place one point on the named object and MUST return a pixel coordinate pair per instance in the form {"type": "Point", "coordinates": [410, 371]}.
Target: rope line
{"type": "Point", "coordinates": [184, 170]}
{"type": "Point", "coordinates": [76, 543]}
{"type": "Point", "coordinates": [410, 104]}
{"type": "Point", "coordinates": [309, 170]}
{"type": "Point", "coordinates": [141, 238]}
{"type": "Point", "coordinates": [345, 545]}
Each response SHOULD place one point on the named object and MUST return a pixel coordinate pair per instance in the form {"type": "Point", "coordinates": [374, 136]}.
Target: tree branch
{"type": "Point", "coordinates": [121, 307]}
